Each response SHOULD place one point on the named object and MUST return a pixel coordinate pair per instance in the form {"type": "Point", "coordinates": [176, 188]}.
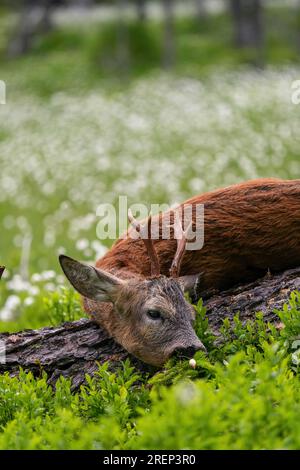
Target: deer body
{"type": "Point", "coordinates": [249, 228]}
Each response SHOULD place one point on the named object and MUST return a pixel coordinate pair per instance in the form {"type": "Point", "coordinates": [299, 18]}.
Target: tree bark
{"type": "Point", "coordinates": [35, 19]}
{"type": "Point", "coordinates": [141, 7]}
{"type": "Point", "coordinates": [247, 17]}
{"type": "Point", "coordinates": [73, 349]}
{"type": "Point", "coordinates": [169, 34]}
{"type": "Point", "coordinates": [123, 53]}
{"type": "Point", "coordinates": [201, 12]}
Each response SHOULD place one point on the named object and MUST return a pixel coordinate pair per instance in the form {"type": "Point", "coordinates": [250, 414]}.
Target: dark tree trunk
{"type": "Point", "coordinates": [141, 7]}
{"type": "Point", "coordinates": [73, 349]}
{"type": "Point", "coordinates": [169, 34]}
{"type": "Point", "coordinates": [122, 38]}
{"type": "Point", "coordinates": [35, 18]}
{"type": "Point", "coordinates": [297, 13]}
{"type": "Point", "coordinates": [248, 23]}
{"type": "Point", "coordinates": [1, 271]}
{"type": "Point", "coordinates": [200, 10]}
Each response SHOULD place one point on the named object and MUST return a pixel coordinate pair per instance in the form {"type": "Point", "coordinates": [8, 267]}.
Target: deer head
{"type": "Point", "coordinates": [149, 317]}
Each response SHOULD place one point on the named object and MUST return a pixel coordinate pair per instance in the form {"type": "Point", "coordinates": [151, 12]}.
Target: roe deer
{"type": "Point", "coordinates": [137, 295]}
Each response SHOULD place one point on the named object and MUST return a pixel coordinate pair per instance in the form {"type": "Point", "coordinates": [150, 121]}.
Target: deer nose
{"type": "Point", "coordinates": [189, 351]}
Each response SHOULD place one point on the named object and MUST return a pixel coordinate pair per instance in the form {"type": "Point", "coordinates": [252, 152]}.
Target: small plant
{"type": "Point", "coordinates": [63, 306]}
{"type": "Point", "coordinates": [290, 331]}
{"type": "Point", "coordinates": [290, 317]}
{"type": "Point", "coordinates": [118, 394]}
{"type": "Point", "coordinates": [202, 326]}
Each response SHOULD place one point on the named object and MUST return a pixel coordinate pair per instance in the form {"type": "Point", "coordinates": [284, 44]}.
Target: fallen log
{"type": "Point", "coordinates": [73, 349]}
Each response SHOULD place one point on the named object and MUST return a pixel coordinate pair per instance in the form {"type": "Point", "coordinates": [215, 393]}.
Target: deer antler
{"type": "Point", "coordinates": [181, 236]}
{"type": "Point", "coordinates": [144, 231]}
{"type": "Point", "coordinates": [1, 271]}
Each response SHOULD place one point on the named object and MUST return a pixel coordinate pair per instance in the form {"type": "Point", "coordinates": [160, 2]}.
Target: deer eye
{"type": "Point", "coordinates": [154, 314]}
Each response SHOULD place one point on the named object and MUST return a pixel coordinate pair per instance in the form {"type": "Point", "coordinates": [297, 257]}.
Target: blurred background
{"type": "Point", "coordinates": [155, 100]}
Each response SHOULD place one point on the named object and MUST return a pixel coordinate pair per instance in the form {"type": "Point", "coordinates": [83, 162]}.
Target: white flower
{"type": "Point", "coordinates": [193, 363]}
{"type": "Point", "coordinates": [28, 301]}
{"type": "Point", "coordinates": [33, 290]}
{"type": "Point", "coordinates": [82, 244]}
{"type": "Point", "coordinates": [175, 138]}
{"type": "Point", "coordinates": [18, 284]}
{"type": "Point", "coordinates": [47, 275]}
{"type": "Point", "coordinates": [36, 277]}
{"type": "Point", "coordinates": [50, 286]}
{"type": "Point", "coordinates": [10, 307]}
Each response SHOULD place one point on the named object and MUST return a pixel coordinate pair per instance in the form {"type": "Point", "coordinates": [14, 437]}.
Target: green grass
{"type": "Point", "coordinates": [242, 395]}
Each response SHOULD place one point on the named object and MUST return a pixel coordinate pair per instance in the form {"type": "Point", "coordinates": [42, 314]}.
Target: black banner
{"type": "Point", "coordinates": [141, 458]}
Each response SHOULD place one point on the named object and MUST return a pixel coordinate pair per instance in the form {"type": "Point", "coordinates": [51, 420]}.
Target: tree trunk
{"type": "Point", "coordinates": [1, 271]}
{"type": "Point", "coordinates": [35, 18]}
{"type": "Point", "coordinates": [73, 349]}
{"type": "Point", "coordinates": [296, 12]}
{"type": "Point", "coordinates": [248, 24]}
{"type": "Point", "coordinates": [201, 12]}
{"type": "Point", "coordinates": [122, 38]}
{"type": "Point", "coordinates": [141, 7]}
{"type": "Point", "coordinates": [169, 35]}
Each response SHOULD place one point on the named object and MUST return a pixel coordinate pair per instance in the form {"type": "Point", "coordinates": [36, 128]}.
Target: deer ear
{"type": "Point", "coordinates": [190, 283]}
{"type": "Point", "coordinates": [89, 281]}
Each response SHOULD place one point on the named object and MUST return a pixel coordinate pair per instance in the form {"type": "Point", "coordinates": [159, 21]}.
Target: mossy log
{"type": "Point", "coordinates": [73, 349]}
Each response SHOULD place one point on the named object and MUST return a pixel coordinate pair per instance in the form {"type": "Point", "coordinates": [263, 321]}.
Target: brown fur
{"type": "Point", "coordinates": [249, 228]}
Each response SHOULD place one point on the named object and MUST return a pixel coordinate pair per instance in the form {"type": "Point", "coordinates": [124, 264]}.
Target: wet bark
{"type": "Point", "coordinates": [73, 349]}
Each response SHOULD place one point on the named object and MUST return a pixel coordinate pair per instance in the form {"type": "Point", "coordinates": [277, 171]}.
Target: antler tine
{"type": "Point", "coordinates": [181, 236]}
{"type": "Point", "coordinates": [143, 231]}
